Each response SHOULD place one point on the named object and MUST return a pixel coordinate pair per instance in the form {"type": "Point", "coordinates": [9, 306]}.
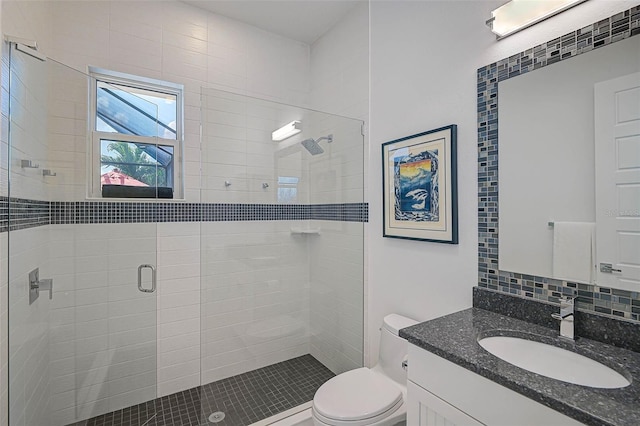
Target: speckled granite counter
{"type": "Point", "coordinates": [455, 338]}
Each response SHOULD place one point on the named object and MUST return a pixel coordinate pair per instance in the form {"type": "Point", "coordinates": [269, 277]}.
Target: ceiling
{"type": "Point", "coordinates": [302, 20]}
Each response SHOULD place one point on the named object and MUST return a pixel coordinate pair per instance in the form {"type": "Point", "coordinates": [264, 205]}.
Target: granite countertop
{"type": "Point", "coordinates": [455, 338]}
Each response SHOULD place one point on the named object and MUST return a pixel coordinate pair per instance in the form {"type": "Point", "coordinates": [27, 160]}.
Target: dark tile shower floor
{"type": "Point", "coordinates": [244, 399]}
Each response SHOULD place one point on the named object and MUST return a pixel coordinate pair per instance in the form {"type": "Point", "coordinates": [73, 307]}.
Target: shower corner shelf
{"type": "Point", "coordinates": [301, 231]}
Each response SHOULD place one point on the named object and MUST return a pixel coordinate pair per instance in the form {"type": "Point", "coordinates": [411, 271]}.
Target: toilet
{"type": "Point", "coordinates": [369, 396]}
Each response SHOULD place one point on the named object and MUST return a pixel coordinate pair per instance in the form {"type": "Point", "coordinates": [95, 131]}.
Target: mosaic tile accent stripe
{"type": "Point", "coordinates": [350, 212]}
{"type": "Point", "coordinates": [30, 213]}
{"type": "Point", "coordinates": [24, 213]}
{"type": "Point", "coordinates": [4, 214]}
{"type": "Point", "coordinates": [131, 212]}
{"type": "Point", "coordinates": [245, 398]}
{"type": "Point", "coordinates": [607, 301]}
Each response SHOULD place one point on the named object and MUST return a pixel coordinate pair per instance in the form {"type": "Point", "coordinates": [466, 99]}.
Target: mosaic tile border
{"type": "Point", "coordinates": [30, 213]}
{"type": "Point", "coordinates": [347, 212]}
{"type": "Point", "coordinates": [24, 213]}
{"type": "Point", "coordinates": [607, 301]}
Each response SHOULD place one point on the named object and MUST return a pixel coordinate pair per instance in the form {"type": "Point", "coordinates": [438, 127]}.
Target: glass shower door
{"type": "Point", "coordinates": [87, 346]}
{"type": "Point", "coordinates": [281, 255]}
{"type": "Point", "coordinates": [28, 238]}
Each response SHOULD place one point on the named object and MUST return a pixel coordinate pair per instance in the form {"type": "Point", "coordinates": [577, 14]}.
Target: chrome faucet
{"type": "Point", "coordinates": [566, 317]}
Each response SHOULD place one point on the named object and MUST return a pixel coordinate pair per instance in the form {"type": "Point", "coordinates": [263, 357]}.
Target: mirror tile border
{"type": "Point", "coordinates": [607, 301]}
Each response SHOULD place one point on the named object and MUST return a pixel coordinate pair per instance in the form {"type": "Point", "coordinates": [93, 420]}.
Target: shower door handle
{"type": "Point", "coordinates": [153, 278]}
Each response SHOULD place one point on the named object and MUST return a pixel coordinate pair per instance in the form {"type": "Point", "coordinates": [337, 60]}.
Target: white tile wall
{"type": "Point", "coordinates": [237, 148]}
{"type": "Point", "coordinates": [178, 314]}
{"type": "Point", "coordinates": [176, 42]}
{"type": "Point", "coordinates": [67, 129]}
{"type": "Point", "coordinates": [29, 332]}
{"type": "Point", "coordinates": [255, 296]}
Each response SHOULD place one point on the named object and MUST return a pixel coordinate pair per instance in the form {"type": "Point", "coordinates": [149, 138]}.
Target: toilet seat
{"type": "Point", "coordinates": [357, 397]}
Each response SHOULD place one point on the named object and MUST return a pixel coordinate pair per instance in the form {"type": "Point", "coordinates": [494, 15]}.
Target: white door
{"type": "Point", "coordinates": [617, 149]}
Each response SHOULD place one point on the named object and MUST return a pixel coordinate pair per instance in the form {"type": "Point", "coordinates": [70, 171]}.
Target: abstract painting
{"type": "Point", "coordinates": [419, 186]}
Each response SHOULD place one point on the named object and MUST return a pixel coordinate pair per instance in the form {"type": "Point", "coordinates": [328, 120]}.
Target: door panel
{"type": "Point", "coordinates": [617, 144]}
{"type": "Point", "coordinates": [90, 348]}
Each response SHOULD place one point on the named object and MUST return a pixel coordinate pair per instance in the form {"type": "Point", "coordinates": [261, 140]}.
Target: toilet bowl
{"type": "Point", "coordinates": [368, 396]}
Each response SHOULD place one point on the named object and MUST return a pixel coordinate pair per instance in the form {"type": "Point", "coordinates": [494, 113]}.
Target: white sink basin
{"type": "Point", "coordinates": [554, 362]}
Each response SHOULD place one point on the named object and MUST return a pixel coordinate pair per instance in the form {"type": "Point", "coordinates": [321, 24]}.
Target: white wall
{"type": "Point", "coordinates": [424, 57]}
{"type": "Point", "coordinates": [340, 67]}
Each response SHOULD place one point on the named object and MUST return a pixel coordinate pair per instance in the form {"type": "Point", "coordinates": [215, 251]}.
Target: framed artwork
{"type": "Point", "coordinates": [419, 183]}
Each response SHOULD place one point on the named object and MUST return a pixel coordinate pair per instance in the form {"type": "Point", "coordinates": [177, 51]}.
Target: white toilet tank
{"type": "Point", "coordinates": [393, 349]}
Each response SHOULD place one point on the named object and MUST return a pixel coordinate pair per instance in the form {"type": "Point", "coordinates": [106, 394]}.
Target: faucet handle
{"type": "Point", "coordinates": [566, 317]}
{"type": "Point", "coordinates": [560, 317]}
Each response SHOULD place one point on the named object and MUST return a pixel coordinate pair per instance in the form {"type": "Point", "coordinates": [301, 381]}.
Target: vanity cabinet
{"type": "Point", "coordinates": [441, 393]}
{"type": "Point", "coordinates": [426, 409]}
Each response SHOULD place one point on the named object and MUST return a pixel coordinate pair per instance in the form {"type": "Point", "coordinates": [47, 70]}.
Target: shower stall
{"type": "Point", "coordinates": [229, 305]}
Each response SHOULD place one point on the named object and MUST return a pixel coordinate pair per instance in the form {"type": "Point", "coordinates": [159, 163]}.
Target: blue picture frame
{"type": "Point", "coordinates": [419, 181]}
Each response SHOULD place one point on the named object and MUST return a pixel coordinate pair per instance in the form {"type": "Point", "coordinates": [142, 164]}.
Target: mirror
{"type": "Point", "coordinates": [609, 207]}
{"type": "Point", "coordinates": [549, 171]}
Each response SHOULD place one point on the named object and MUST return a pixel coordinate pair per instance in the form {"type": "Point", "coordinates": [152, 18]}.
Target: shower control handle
{"type": "Point", "coordinates": [153, 278]}
{"type": "Point", "coordinates": [36, 284]}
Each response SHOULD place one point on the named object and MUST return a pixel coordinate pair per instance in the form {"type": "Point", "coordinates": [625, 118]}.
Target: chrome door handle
{"type": "Point", "coordinates": [153, 278]}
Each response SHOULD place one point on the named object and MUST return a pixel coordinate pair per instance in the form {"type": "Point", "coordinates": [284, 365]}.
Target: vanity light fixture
{"type": "Point", "coordinates": [286, 131]}
{"type": "Point", "coordinates": [517, 15]}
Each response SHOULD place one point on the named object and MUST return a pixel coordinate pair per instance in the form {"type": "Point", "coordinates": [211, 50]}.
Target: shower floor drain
{"type": "Point", "coordinates": [216, 417]}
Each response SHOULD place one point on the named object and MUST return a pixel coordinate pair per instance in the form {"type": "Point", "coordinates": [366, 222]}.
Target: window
{"type": "Point", "coordinates": [136, 142]}
{"type": "Point", "coordinates": [287, 189]}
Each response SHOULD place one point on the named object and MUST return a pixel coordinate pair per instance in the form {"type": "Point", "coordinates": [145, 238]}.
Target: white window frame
{"type": "Point", "coordinates": [94, 163]}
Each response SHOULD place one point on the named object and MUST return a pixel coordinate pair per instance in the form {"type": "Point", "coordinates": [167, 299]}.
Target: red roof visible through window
{"type": "Point", "coordinates": [116, 177]}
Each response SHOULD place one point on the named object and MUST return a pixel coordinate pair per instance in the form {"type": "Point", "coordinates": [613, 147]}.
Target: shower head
{"type": "Point", "coordinates": [313, 146]}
